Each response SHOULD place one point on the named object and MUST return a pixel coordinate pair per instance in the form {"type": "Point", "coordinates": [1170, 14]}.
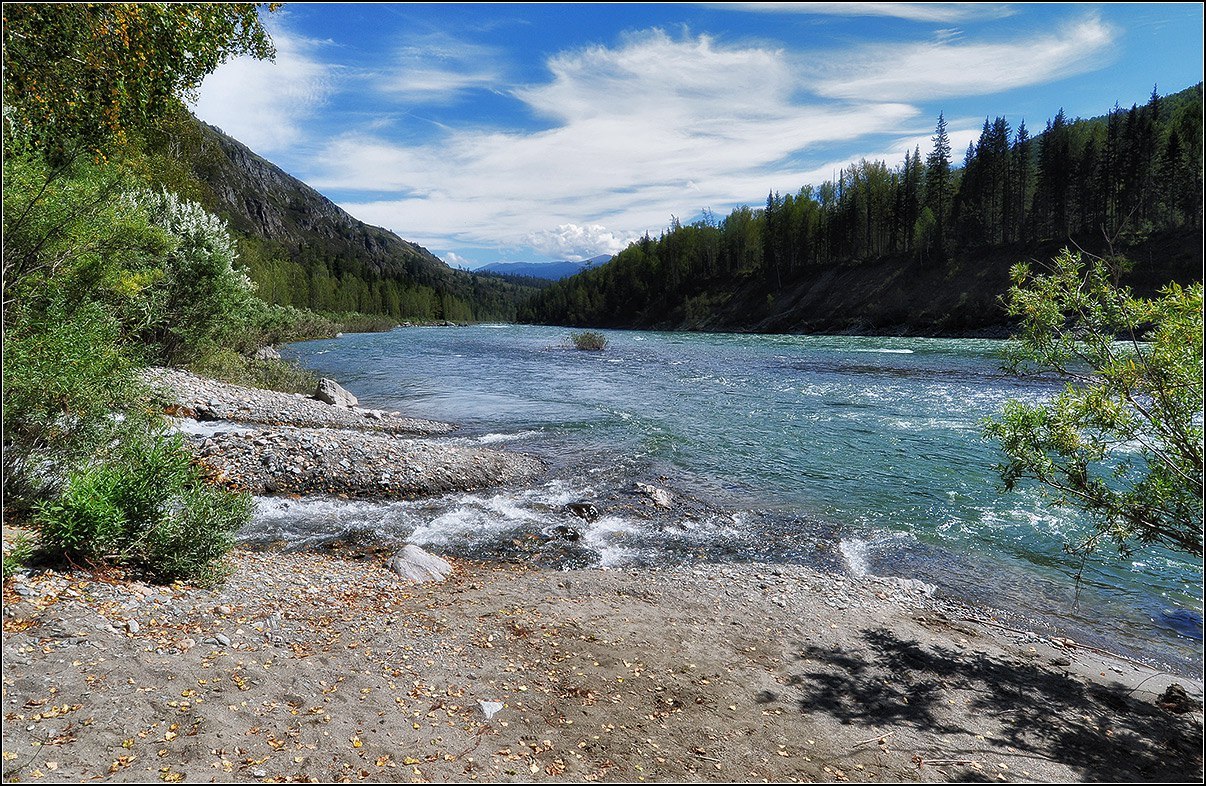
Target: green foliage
{"type": "Point", "coordinates": [589, 340]}
{"type": "Point", "coordinates": [143, 504]}
{"type": "Point", "coordinates": [227, 365]}
{"type": "Point", "coordinates": [18, 554]}
{"type": "Point", "coordinates": [199, 301]}
{"type": "Point", "coordinates": [65, 372]}
{"type": "Point", "coordinates": [79, 76]}
{"type": "Point", "coordinates": [70, 234]}
{"type": "Point", "coordinates": [1123, 440]}
{"type": "Point", "coordinates": [101, 275]}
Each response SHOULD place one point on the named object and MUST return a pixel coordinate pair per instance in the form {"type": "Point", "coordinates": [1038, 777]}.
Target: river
{"type": "Point", "coordinates": [854, 454]}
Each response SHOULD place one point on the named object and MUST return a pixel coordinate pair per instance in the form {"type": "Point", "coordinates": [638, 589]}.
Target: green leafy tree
{"type": "Point", "coordinates": [1123, 440]}
{"type": "Point", "coordinates": [80, 76]}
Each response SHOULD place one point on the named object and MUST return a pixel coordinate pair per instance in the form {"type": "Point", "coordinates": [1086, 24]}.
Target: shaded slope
{"type": "Point", "coordinates": [304, 250]}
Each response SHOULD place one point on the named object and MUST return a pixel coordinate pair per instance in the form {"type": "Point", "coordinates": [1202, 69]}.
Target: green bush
{"type": "Point", "coordinates": [226, 365]}
{"type": "Point", "coordinates": [589, 341]}
{"type": "Point", "coordinates": [65, 373]}
{"type": "Point", "coordinates": [202, 301]}
{"type": "Point", "coordinates": [146, 506]}
{"type": "Point", "coordinates": [69, 234]}
{"type": "Point", "coordinates": [18, 554]}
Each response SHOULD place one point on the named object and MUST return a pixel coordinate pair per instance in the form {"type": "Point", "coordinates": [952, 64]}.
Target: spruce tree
{"type": "Point", "coordinates": [938, 180]}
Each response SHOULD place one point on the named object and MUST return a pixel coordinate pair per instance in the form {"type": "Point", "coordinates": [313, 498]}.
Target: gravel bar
{"type": "Point", "coordinates": [306, 446]}
{"type": "Point", "coordinates": [355, 464]}
{"type": "Point", "coordinates": [207, 399]}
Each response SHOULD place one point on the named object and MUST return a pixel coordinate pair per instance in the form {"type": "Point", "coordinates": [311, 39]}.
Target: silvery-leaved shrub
{"type": "Point", "coordinates": [202, 301]}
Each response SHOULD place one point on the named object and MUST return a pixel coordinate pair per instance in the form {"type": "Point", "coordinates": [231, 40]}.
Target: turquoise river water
{"type": "Point", "coordinates": [854, 454]}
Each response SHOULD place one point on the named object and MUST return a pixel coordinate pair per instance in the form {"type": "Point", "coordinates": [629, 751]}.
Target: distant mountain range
{"type": "Point", "coordinates": [552, 271]}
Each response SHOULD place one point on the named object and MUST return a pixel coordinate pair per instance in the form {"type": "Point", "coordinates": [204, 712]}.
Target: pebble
{"type": "Point", "coordinates": [132, 625]}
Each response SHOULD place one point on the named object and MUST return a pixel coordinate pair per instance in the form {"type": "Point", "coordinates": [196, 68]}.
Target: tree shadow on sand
{"type": "Point", "coordinates": [1104, 732]}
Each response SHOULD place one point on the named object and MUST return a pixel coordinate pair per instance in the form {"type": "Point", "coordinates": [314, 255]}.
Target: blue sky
{"type": "Point", "coordinates": [528, 132]}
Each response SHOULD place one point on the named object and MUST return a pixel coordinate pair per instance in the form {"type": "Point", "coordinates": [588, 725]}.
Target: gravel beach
{"type": "Point", "coordinates": [314, 667]}
{"type": "Point", "coordinates": [325, 666]}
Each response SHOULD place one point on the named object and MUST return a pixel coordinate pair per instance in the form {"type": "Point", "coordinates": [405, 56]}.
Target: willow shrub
{"type": "Point", "coordinates": [1123, 440]}
{"type": "Point", "coordinates": [144, 505]}
{"type": "Point", "coordinates": [589, 340]}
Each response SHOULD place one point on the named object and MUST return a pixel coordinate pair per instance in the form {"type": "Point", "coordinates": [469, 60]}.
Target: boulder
{"type": "Point", "coordinates": [565, 533]}
{"type": "Point", "coordinates": [583, 510]}
{"type": "Point", "coordinates": [414, 564]}
{"type": "Point", "coordinates": [330, 392]}
{"type": "Point", "coordinates": [660, 497]}
{"type": "Point", "coordinates": [266, 353]}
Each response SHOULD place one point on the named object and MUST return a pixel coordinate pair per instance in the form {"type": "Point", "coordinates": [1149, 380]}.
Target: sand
{"type": "Point", "coordinates": [315, 667]}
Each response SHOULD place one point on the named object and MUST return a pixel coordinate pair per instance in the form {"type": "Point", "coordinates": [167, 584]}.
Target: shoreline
{"type": "Point", "coordinates": [311, 665]}
{"type": "Point", "coordinates": [325, 666]}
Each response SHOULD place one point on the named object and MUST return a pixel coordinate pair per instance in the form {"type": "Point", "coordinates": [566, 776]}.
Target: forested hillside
{"type": "Point", "coordinates": [304, 251]}
{"type": "Point", "coordinates": [922, 247]}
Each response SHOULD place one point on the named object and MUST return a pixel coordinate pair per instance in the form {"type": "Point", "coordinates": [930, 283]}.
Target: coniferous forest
{"type": "Point", "coordinates": [932, 226]}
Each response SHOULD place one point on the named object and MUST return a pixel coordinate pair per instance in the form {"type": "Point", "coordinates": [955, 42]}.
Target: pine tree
{"type": "Point", "coordinates": [1023, 168]}
{"type": "Point", "coordinates": [938, 181]}
{"type": "Point", "coordinates": [1054, 178]}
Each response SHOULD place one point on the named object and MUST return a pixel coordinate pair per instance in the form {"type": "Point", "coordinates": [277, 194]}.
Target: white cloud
{"type": "Point", "coordinates": [265, 105]}
{"type": "Point", "coordinates": [454, 259]}
{"type": "Point", "coordinates": [920, 12]}
{"type": "Point", "coordinates": [652, 127]}
{"type": "Point", "coordinates": [575, 243]}
{"type": "Point", "coordinates": [437, 69]}
{"type": "Point", "coordinates": [944, 68]}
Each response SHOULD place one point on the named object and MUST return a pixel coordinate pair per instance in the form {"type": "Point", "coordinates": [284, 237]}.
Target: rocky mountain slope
{"type": "Point", "coordinates": [305, 250]}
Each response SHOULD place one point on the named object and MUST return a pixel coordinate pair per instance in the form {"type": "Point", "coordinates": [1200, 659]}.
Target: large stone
{"type": "Point", "coordinates": [583, 510]}
{"type": "Point", "coordinates": [266, 353]}
{"type": "Point", "coordinates": [414, 564]}
{"type": "Point", "coordinates": [660, 497]}
{"type": "Point", "coordinates": [330, 392]}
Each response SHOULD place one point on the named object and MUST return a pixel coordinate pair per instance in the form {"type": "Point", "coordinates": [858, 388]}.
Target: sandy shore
{"type": "Point", "coordinates": [324, 666]}
{"type": "Point", "coordinates": [315, 667]}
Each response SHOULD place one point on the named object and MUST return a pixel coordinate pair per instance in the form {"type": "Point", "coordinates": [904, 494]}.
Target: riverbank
{"type": "Point", "coordinates": [325, 666]}
{"type": "Point", "coordinates": [313, 666]}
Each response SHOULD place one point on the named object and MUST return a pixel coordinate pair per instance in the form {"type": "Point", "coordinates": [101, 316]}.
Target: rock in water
{"type": "Point", "coordinates": [583, 510]}
{"type": "Point", "coordinates": [415, 564]}
{"type": "Point", "coordinates": [660, 497]}
{"type": "Point", "coordinates": [330, 392]}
